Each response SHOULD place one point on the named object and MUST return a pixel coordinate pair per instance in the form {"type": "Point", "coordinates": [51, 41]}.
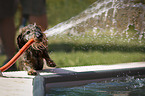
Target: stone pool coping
{"type": "Point", "coordinates": [20, 84]}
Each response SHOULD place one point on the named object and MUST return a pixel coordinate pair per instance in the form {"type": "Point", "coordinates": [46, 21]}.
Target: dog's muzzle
{"type": "Point", "coordinates": [39, 35]}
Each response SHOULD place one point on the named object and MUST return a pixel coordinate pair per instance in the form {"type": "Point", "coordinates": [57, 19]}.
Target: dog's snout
{"type": "Point", "coordinates": [38, 35]}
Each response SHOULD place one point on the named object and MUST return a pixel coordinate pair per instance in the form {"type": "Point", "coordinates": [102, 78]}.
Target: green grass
{"type": "Point", "coordinates": [87, 43]}
{"type": "Point", "coordinates": [2, 59]}
{"type": "Point", "coordinates": [86, 50]}
{"type": "Point", "coordinates": [79, 58]}
{"type": "Point", "coordinates": [61, 10]}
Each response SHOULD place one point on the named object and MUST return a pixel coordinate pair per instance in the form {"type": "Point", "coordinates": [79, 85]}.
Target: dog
{"type": "Point", "coordinates": [32, 59]}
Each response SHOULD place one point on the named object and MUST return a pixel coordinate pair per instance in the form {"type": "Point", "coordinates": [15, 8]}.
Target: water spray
{"type": "Point", "coordinates": [116, 16]}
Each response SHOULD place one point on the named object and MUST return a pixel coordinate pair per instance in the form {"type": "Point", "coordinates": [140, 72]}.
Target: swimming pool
{"type": "Point", "coordinates": [128, 86]}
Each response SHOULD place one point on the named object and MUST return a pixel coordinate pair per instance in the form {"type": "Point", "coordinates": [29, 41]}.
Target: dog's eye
{"type": "Point", "coordinates": [27, 32]}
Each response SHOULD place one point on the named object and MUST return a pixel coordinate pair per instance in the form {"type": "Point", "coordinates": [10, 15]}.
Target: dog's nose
{"type": "Point", "coordinates": [38, 35]}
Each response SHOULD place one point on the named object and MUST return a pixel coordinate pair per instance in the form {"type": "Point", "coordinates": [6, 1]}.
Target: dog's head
{"type": "Point", "coordinates": [32, 32]}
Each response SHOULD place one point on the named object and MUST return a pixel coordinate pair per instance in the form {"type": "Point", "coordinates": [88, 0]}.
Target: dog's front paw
{"type": "Point", "coordinates": [32, 72]}
{"type": "Point", "coordinates": [51, 63]}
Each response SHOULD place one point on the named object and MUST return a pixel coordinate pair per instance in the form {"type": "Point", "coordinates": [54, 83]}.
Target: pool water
{"type": "Point", "coordinates": [129, 86]}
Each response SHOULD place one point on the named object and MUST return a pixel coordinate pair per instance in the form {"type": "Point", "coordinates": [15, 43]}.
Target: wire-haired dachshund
{"type": "Point", "coordinates": [32, 59]}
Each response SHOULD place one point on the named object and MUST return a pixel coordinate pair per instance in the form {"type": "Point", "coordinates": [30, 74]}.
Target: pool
{"type": "Point", "coordinates": [127, 86]}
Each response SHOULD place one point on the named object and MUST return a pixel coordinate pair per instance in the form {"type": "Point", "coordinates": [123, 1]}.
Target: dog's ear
{"type": "Point", "coordinates": [40, 28]}
{"type": "Point", "coordinates": [20, 41]}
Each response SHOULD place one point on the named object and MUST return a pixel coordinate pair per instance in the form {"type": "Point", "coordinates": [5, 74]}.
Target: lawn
{"type": "Point", "coordinates": [85, 50]}
{"type": "Point", "coordinates": [79, 58]}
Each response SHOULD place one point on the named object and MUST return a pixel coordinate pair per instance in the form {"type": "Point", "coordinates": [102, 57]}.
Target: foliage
{"type": "Point", "coordinates": [61, 10]}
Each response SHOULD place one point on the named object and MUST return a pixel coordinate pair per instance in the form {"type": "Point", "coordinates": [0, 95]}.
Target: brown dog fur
{"type": "Point", "coordinates": [32, 59]}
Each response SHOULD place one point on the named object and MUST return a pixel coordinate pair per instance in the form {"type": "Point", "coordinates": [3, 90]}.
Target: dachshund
{"type": "Point", "coordinates": [32, 59]}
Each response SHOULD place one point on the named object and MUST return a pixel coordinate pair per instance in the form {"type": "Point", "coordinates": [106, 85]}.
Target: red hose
{"type": "Point", "coordinates": [19, 53]}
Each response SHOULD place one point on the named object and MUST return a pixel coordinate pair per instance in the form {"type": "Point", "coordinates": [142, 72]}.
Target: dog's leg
{"type": "Point", "coordinates": [28, 67]}
{"type": "Point", "coordinates": [25, 63]}
{"type": "Point", "coordinates": [48, 60]}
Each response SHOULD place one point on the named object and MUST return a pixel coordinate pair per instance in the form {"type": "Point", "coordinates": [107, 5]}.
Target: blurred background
{"type": "Point", "coordinates": [57, 11]}
{"type": "Point", "coordinates": [119, 43]}
{"type": "Point", "coordinates": [61, 10]}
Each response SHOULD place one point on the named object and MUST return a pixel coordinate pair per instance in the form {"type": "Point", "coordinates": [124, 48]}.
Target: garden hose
{"type": "Point", "coordinates": [19, 53]}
